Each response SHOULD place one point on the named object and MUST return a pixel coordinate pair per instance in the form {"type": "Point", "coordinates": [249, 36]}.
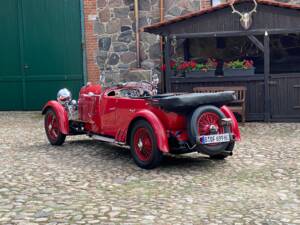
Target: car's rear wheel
{"type": "Point", "coordinates": [206, 120]}
{"type": "Point", "coordinates": [52, 130]}
{"type": "Point", "coordinates": [144, 146]}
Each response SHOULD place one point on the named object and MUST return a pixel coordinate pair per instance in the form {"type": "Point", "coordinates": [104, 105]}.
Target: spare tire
{"type": "Point", "coordinates": [200, 122]}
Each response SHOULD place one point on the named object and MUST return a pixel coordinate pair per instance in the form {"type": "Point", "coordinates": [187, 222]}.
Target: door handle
{"type": "Point", "coordinates": [26, 66]}
{"type": "Point", "coordinates": [112, 109]}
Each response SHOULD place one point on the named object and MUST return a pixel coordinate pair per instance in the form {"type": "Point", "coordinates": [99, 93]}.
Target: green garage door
{"type": "Point", "coordinates": [40, 51]}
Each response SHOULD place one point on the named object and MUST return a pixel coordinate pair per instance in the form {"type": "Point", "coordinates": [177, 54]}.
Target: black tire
{"type": "Point", "coordinates": [224, 155]}
{"type": "Point", "coordinates": [60, 138]}
{"type": "Point", "coordinates": [210, 150]}
{"type": "Point", "coordinates": [155, 157]}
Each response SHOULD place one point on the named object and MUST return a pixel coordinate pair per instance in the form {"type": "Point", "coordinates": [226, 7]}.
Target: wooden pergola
{"type": "Point", "coordinates": [271, 18]}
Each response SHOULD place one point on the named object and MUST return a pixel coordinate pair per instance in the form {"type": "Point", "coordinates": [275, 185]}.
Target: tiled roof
{"type": "Point", "coordinates": [212, 9]}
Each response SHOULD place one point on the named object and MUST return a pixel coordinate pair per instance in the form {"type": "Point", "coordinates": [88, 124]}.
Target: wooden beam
{"type": "Point", "coordinates": [257, 43]}
{"type": "Point", "coordinates": [167, 62]}
{"type": "Point", "coordinates": [234, 33]}
{"type": "Point", "coordinates": [267, 77]}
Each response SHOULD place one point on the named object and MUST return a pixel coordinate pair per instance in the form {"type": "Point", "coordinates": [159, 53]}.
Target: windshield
{"type": "Point", "coordinates": [109, 78]}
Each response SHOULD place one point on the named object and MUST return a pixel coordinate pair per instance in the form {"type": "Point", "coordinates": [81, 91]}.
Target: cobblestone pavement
{"type": "Point", "coordinates": [86, 182]}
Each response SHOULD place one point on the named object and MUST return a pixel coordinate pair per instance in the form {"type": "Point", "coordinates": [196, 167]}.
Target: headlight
{"type": "Point", "coordinates": [64, 96]}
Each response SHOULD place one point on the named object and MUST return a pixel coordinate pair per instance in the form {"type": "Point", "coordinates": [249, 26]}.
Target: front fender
{"type": "Point", "coordinates": [61, 114]}
{"type": "Point", "coordinates": [235, 127]}
{"type": "Point", "coordinates": [159, 130]}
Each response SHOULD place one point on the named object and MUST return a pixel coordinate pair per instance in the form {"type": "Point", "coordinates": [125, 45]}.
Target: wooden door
{"type": "Point", "coordinates": [285, 97]}
{"type": "Point", "coordinates": [41, 51]}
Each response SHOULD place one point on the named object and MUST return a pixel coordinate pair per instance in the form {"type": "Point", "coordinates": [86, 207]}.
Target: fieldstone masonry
{"type": "Point", "coordinates": [115, 31]}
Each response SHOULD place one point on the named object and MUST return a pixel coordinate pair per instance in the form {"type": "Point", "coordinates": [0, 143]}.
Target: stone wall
{"type": "Point", "coordinates": [115, 31]}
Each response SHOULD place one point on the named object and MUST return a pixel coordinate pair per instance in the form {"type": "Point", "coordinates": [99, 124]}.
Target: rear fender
{"type": "Point", "coordinates": [61, 114]}
{"type": "Point", "coordinates": [159, 130]}
{"type": "Point", "coordinates": [234, 127]}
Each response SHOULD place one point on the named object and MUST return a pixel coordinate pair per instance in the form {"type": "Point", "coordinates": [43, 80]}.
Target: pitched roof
{"type": "Point", "coordinates": [215, 8]}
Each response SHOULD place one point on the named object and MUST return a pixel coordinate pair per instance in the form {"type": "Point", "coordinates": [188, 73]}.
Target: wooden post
{"type": "Point", "coordinates": [162, 60]}
{"type": "Point", "coordinates": [167, 62]}
{"type": "Point", "coordinates": [267, 77]}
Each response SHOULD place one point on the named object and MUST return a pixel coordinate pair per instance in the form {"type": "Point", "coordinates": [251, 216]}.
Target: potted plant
{"type": "Point", "coordinates": [239, 67]}
{"type": "Point", "coordinates": [192, 69]}
{"type": "Point", "coordinates": [174, 68]}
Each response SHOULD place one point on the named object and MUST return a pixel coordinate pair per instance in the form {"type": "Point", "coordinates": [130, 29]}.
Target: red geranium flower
{"type": "Point", "coordinates": [172, 64]}
{"type": "Point", "coordinates": [193, 64]}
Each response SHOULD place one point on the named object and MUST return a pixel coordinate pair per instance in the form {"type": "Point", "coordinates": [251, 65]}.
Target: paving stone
{"type": "Point", "coordinates": [86, 182]}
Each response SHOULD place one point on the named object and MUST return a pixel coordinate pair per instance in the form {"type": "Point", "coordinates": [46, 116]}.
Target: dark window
{"type": "Point", "coordinates": [226, 49]}
{"type": "Point", "coordinates": [285, 53]}
{"type": "Point", "coordinates": [112, 93]}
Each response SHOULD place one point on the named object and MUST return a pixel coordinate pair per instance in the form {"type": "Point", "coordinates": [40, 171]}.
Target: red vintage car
{"type": "Point", "coordinates": [134, 115]}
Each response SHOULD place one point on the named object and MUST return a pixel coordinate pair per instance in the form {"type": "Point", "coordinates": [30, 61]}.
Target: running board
{"type": "Point", "coordinates": [102, 138]}
{"type": "Point", "coordinates": [107, 140]}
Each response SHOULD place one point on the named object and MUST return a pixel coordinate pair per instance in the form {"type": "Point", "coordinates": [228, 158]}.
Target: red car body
{"type": "Point", "coordinates": [111, 116]}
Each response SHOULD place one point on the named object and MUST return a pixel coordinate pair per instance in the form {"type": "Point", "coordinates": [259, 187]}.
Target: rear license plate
{"type": "Point", "coordinates": [212, 139]}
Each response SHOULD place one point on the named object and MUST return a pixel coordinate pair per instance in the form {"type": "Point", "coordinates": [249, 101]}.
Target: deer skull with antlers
{"type": "Point", "coordinates": [246, 17]}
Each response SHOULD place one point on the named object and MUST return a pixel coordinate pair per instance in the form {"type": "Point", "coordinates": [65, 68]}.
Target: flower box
{"type": "Point", "coordinates": [201, 73]}
{"type": "Point", "coordinates": [236, 72]}
{"type": "Point", "coordinates": [177, 74]}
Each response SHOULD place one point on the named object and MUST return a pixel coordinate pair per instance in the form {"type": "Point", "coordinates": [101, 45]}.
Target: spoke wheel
{"type": "Point", "coordinates": [144, 146]}
{"type": "Point", "coordinates": [52, 130]}
{"type": "Point", "coordinates": [206, 120]}
{"type": "Point", "coordinates": [209, 123]}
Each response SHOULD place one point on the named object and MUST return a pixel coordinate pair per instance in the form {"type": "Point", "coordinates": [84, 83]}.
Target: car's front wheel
{"type": "Point", "coordinates": [52, 130]}
{"type": "Point", "coordinates": [143, 145]}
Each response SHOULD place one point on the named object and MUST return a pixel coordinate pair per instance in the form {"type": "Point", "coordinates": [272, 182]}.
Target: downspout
{"type": "Point", "coordinates": [161, 8]}
{"type": "Point", "coordinates": [162, 11]}
{"type": "Point", "coordinates": [162, 18]}
{"type": "Point", "coordinates": [83, 47]}
{"type": "Point", "coordinates": [137, 30]}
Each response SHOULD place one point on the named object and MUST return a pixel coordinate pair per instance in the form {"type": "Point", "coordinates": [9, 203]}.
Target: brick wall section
{"type": "Point", "coordinates": [90, 40]}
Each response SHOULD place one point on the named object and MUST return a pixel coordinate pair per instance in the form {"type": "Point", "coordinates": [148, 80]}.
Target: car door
{"type": "Point", "coordinates": [108, 113]}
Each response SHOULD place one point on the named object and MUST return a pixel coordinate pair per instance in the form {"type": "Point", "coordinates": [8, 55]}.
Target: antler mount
{"type": "Point", "coordinates": [246, 17]}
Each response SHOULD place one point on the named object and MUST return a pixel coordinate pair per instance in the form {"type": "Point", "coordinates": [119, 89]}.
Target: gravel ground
{"type": "Point", "coordinates": [86, 182]}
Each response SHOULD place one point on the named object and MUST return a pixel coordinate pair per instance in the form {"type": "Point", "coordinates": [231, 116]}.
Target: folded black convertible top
{"type": "Point", "coordinates": [184, 102]}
